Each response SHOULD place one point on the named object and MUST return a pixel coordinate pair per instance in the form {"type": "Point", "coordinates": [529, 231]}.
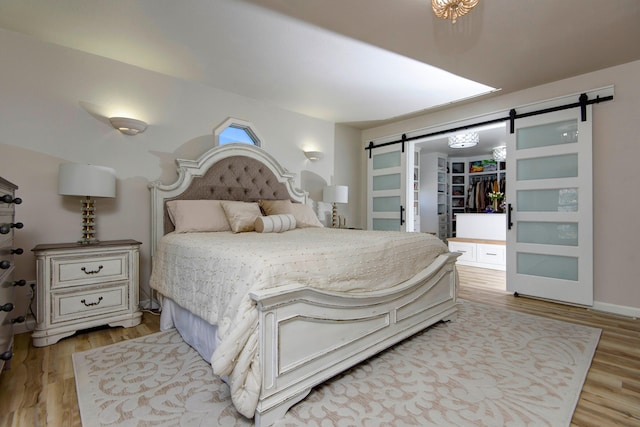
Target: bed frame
{"type": "Point", "coordinates": [306, 336]}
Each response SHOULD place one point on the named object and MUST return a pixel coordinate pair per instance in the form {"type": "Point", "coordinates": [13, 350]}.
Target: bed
{"type": "Point", "coordinates": [282, 310]}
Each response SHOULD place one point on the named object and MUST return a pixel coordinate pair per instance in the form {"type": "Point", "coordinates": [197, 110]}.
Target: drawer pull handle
{"type": "Point", "coordinates": [19, 319]}
{"type": "Point", "coordinates": [20, 282]}
{"type": "Point", "coordinates": [6, 307]}
{"type": "Point", "coordinates": [17, 251]}
{"type": "Point", "coordinates": [89, 304]}
{"type": "Point", "coordinates": [7, 198]}
{"type": "Point", "coordinates": [93, 271]}
{"type": "Point", "coordinates": [7, 355]}
{"type": "Point", "coordinates": [6, 228]}
{"type": "Point", "coordinates": [4, 264]}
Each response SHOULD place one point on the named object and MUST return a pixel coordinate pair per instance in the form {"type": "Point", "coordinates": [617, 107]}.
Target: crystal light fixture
{"type": "Point", "coordinates": [464, 140]}
{"type": "Point", "coordinates": [500, 153]}
{"type": "Point", "coordinates": [452, 9]}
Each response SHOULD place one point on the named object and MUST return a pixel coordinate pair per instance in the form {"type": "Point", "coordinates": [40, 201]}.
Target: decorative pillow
{"type": "Point", "coordinates": [305, 216]}
{"type": "Point", "coordinates": [197, 215]}
{"type": "Point", "coordinates": [275, 223]}
{"type": "Point", "coordinates": [241, 215]}
{"type": "Point", "coordinates": [275, 207]}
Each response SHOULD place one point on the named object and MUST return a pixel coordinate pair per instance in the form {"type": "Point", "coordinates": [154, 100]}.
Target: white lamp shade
{"type": "Point", "coordinates": [335, 194]}
{"type": "Point", "coordinates": [76, 179]}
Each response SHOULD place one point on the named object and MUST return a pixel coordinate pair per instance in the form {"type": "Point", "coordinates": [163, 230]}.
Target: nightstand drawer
{"type": "Point", "coordinates": [75, 271]}
{"type": "Point", "coordinates": [88, 302]}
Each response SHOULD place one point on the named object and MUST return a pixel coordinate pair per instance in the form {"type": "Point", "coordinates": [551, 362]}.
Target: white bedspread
{"type": "Point", "coordinates": [211, 274]}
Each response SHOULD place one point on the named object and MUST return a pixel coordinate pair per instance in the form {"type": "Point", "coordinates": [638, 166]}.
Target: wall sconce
{"type": "Point", "coordinates": [314, 155]}
{"type": "Point", "coordinates": [88, 181]}
{"type": "Point", "coordinates": [128, 126]}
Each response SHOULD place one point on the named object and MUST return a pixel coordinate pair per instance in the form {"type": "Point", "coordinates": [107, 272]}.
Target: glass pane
{"type": "Point", "coordinates": [553, 266]}
{"type": "Point", "coordinates": [386, 204]}
{"type": "Point", "coordinates": [563, 166]}
{"type": "Point", "coordinates": [556, 200]}
{"type": "Point", "coordinates": [234, 134]}
{"type": "Point", "coordinates": [386, 160]}
{"type": "Point", "coordinates": [548, 233]}
{"type": "Point", "coordinates": [386, 182]}
{"type": "Point", "coordinates": [386, 224]}
{"type": "Point", "coordinates": [547, 134]}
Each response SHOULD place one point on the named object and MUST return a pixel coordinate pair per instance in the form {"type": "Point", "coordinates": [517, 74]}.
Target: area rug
{"type": "Point", "coordinates": [490, 367]}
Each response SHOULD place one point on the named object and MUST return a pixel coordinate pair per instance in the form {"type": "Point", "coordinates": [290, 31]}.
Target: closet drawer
{"type": "Point", "coordinates": [468, 250]}
{"type": "Point", "coordinates": [490, 254]}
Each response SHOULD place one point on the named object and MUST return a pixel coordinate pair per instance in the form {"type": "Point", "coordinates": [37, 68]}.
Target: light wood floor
{"type": "Point", "coordinates": [39, 389]}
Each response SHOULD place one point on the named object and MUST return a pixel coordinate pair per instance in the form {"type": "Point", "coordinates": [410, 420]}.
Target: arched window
{"type": "Point", "coordinates": [236, 131]}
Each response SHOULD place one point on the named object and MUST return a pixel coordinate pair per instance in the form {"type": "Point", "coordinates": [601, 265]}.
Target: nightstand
{"type": "Point", "coordinates": [82, 286]}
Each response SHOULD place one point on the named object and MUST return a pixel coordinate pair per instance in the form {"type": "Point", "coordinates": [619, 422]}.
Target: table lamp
{"type": "Point", "coordinates": [335, 194]}
{"type": "Point", "coordinates": [88, 181]}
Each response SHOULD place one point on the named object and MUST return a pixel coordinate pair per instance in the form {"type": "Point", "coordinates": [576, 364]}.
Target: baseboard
{"type": "Point", "coordinates": [621, 310]}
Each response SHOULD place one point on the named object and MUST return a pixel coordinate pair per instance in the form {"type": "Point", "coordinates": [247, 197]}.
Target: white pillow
{"type": "Point", "coordinates": [305, 216]}
{"type": "Point", "coordinates": [197, 215]}
{"type": "Point", "coordinates": [275, 223]}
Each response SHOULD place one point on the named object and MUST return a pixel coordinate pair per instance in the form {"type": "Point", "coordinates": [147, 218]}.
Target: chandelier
{"type": "Point", "coordinates": [500, 153]}
{"type": "Point", "coordinates": [452, 9]}
{"type": "Point", "coordinates": [464, 140]}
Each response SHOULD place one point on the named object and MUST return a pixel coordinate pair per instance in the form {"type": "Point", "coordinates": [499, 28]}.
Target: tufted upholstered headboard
{"type": "Point", "coordinates": [229, 172]}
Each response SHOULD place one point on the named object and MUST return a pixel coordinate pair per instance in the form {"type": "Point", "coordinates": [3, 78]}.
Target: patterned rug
{"type": "Point", "coordinates": [490, 367]}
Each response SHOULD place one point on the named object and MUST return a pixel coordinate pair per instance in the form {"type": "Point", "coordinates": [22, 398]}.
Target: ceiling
{"type": "Point", "coordinates": [360, 62]}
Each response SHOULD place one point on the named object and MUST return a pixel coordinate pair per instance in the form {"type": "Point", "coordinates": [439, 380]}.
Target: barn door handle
{"type": "Point", "coordinates": [401, 215]}
{"type": "Point", "coordinates": [509, 210]}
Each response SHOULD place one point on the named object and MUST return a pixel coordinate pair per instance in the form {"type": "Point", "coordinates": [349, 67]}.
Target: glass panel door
{"type": "Point", "coordinates": [549, 197]}
{"type": "Point", "coordinates": [387, 188]}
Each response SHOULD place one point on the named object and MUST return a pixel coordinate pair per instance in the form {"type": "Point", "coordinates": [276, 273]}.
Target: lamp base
{"type": "Point", "coordinates": [334, 216]}
{"type": "Point", "coordinates": [88, 241]}
{"type": "Point", "coordinates": [88, 211]}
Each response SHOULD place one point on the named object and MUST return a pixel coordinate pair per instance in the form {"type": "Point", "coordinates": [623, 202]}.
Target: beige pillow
{"type": "Point", "coordinates": [305, 216]}
{"type": "Point", "coordinates": [275, 223]}
{"type": "Point", "coordinates": [190, 216]}
{"type": "Point", "coordinates": [275, 207]}
{"type": "Point", "coordinates": [241, 215]}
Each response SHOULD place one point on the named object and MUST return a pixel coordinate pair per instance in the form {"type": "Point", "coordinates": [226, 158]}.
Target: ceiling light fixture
{"type": "Point", "coordinates": [452, 9]}
{"type": "Point", "coordinates": [128, 126]}
{"type": "Point", "coordinates": [464, 140]}
{"type": "Point", "coordinates": [500, 153]}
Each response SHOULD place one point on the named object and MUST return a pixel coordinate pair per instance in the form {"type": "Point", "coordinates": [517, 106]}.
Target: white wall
{"type": "Point", "coordinates": [348, 171]}
{"type": "Point", "coordinates": [616, 154]}
{"type": "Point", "coordinates": [53, 107]}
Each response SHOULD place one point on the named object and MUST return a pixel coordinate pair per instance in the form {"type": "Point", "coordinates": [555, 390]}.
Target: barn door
{"type": "Point", "coordinates": [387, 188]}
{"type": "Point", "coordinates": [550, 207]}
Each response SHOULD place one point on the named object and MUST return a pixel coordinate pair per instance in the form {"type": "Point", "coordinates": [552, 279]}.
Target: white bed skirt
{"type": "Point", "coordinates": [196, 332]}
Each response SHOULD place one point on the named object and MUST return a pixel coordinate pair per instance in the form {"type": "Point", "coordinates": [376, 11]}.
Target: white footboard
{"type": "Point", "coordinates": [308, 336]}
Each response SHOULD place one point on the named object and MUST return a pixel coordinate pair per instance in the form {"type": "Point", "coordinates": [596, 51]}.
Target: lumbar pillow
{"type": "Point", "coordinates": [275, 223]}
